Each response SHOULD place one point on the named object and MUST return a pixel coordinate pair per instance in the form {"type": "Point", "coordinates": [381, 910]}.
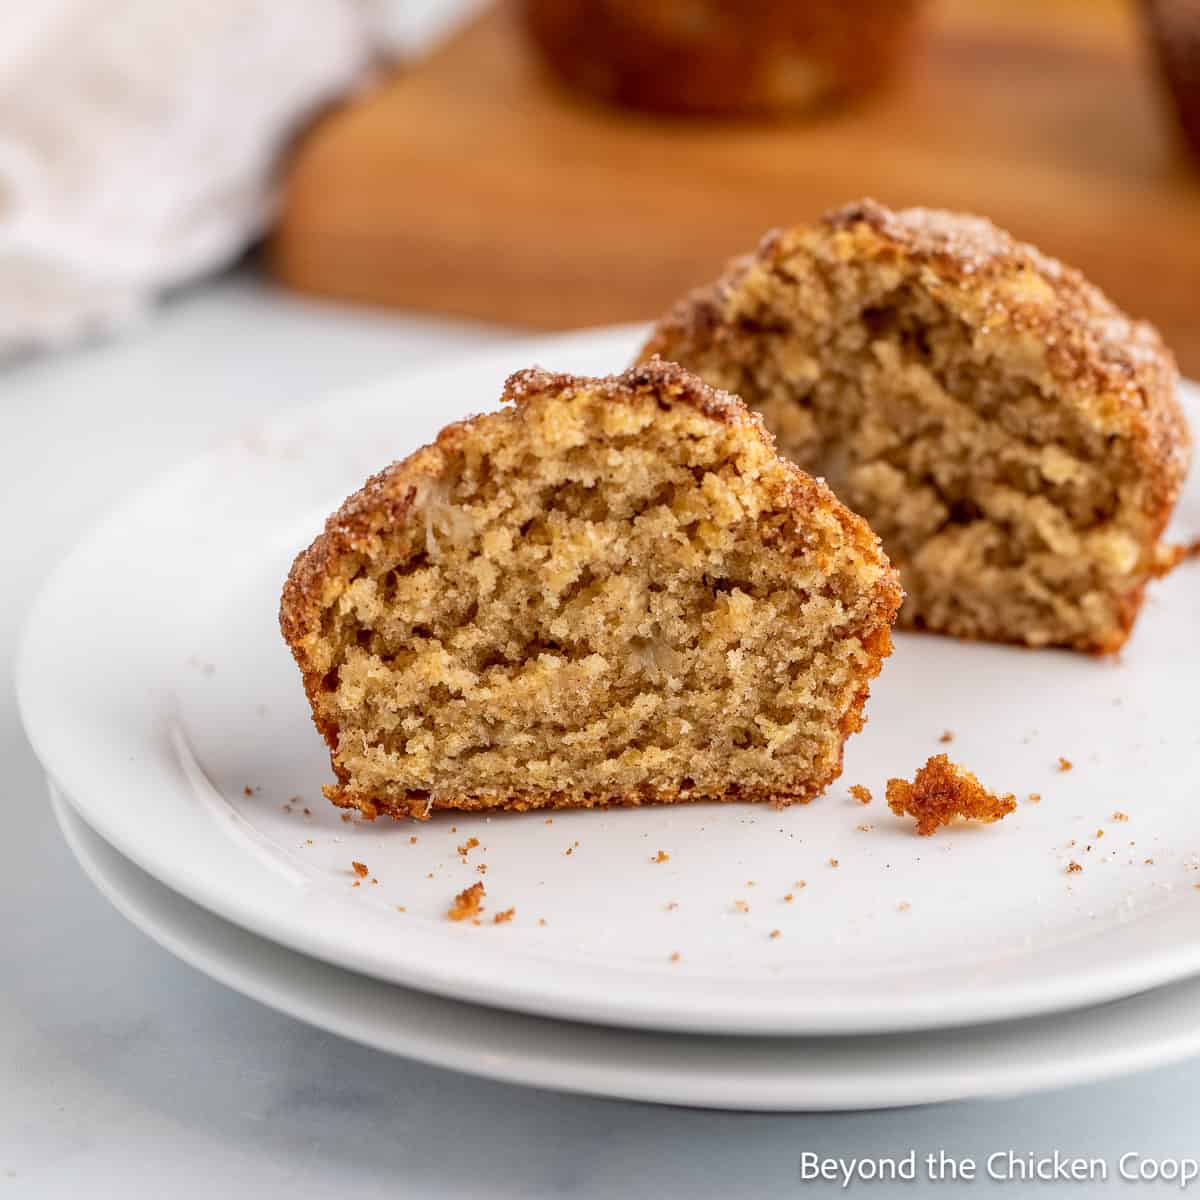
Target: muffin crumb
{"type": "Point", "coordinates": [860, 793]}
{"type": "Point", "coordinates": [467, 903]}
{"type": "Point", "coordinates": [942, 792]}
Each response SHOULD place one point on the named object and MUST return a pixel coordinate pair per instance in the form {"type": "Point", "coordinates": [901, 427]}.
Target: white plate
{"type": "Point", "coordinates": [710, 1072]}
{"type": "Point", "coordinates": [155, 686]}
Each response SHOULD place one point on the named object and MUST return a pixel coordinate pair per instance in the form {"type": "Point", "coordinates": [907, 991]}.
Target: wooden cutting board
{"type": "Point", "coordinates": [470, 184]}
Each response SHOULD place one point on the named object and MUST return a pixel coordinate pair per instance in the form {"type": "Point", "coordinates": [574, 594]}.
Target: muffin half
{"type": "Point", "coordinates": [611, 592]}
{"type": "Point", "coordinates": [1013, 438]}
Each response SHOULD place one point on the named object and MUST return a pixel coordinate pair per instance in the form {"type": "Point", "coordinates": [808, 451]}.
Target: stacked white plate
{"type": "Point", "coordinates": [816, 957]}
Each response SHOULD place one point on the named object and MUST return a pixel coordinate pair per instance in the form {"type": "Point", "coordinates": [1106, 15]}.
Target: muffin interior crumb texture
{"type": "Point", "coordinates": [612, 591]}
{"type": "Point", "coordinates": [1012, 437]}
{"type": "Point", "coordinates": [941, 793]}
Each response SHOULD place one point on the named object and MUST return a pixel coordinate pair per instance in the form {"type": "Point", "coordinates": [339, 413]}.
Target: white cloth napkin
{"type": "Point", "coordinates": [139, 140]}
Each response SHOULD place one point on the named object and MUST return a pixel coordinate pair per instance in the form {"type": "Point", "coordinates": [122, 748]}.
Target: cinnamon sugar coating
{"type": "Point", "coordinates": [1013, 437]}
{"type": "Point", "coordinates": [941, 793]}
{"type": "Point", "coordinates": [613, 591]}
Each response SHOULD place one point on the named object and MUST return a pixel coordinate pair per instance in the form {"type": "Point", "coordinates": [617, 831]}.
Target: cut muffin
{"type": "Point", "coordinates": [612, 592]}
{"type": "Point", "coordinates": [1012, 437]}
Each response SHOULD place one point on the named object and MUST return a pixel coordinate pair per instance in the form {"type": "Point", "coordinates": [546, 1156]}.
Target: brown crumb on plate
{"type": "Point", "coordinates": [1073, 868]}
{"type": "Point", "coordinates": [833, 862]}
{"type": "Point", "coordinates": [1064, 764]}
{"type": "Point", "coordinates": [1034, 798]}
{"type": "Point", "coordinates": [502, 918]}
{"type": "Point", "coordinates": [860, 793]}
{"type": "Point", "coordinates": [947, 735]}
{"type": "Point", "coordinates": [675, 957]}
{"type": "Point", "coordinates": [468, 846]}
{"type": "Point", "coordinates": [1120, 816]}
{"type": "Point", "coordinates": [360, 869]}
{"type": "Point", "coordinates": [661, 857]}
{"type": "Point", "coordinates": [467, 903]}
{"type": "Point", "coordinates": [942, 792]}
{"type": "Point", "coordinates": [741, 906]}
{"type": "Point", "coordinates": [775, 933]}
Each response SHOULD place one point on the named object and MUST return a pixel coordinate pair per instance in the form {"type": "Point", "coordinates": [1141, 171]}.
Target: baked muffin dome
{"type": "Point", "coordinates": [1013, 438]}
{"type": "Point", "coordinates": [612, 591]}
{"type": "Point", "coordinates": [722, 57]}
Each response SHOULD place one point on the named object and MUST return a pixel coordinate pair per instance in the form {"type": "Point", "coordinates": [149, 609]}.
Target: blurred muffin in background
{"type": "Point", "coordinates": [722, 56]}
{"type": "Point", "coordinates": [1175, 31]}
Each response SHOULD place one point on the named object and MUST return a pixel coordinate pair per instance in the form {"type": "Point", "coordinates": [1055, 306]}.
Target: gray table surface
{"type": "Point", "coordinates": [122, 1071]}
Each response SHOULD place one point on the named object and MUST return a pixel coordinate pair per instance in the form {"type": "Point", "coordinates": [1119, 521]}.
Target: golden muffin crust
{"type": "Point", "coordinates": [611, 592]}
{"type": "Point", "coordinates": [1014, 438]}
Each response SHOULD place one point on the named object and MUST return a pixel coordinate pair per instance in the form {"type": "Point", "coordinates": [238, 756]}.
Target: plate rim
{"type": "Point", "coordinates": [442, 1040]}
